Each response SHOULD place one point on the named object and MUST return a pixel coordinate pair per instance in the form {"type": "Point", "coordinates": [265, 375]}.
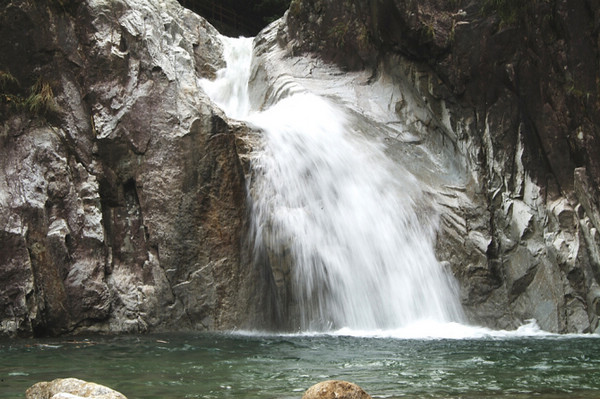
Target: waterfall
{"type": "Point", "coordinates": [355, 229]}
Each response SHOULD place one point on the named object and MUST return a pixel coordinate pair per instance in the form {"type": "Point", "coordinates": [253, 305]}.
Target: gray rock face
{"type": "Point", "coordinates": [126, 211]}
{"type": "Point", "coordinates": [519, 228]}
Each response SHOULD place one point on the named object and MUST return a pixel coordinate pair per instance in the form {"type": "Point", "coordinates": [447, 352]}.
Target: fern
{"type": "Point", "coordinates": [41, 99]}
{"type": "Point", "coordinates": [39, 102]}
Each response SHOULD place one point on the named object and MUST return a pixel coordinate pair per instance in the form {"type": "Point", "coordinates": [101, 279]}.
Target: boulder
{"type": "Point", "coordinates": [335, 389]}
{"type": "Point", "coordinates": [71, 388]}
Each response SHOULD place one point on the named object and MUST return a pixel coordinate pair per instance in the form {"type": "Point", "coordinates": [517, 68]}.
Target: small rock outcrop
{"type": "Point", "coordinates": [71, 388]}
{"type": "Point", "coordinates": [335, 389]}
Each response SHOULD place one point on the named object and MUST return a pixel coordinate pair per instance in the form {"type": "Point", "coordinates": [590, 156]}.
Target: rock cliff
{"type": "Point", "coordinates": [511, 92]}
{"type": "Point", "coordinates": [123, 209]}
{"type": "Point", "coordinates": [123, 205]}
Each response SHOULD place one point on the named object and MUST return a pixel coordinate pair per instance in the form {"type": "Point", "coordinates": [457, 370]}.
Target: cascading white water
{"type": "Point", "coordinates": [230, 89]}
{"type": "Point", "coordinates": [358, 227]}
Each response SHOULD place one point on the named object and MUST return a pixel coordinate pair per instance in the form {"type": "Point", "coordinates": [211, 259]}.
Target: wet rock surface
{"type": "Point", "coordinates": [513, 102]}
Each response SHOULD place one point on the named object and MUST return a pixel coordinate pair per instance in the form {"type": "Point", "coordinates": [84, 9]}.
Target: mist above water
{"type": "Point", "coordinates": [357, 229]}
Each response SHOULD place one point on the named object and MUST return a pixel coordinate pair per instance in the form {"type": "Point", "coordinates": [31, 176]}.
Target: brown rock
{"type": "Point", "coordinates": [66, 387]}
{"type": "Point", "coordinates": [335, 389]}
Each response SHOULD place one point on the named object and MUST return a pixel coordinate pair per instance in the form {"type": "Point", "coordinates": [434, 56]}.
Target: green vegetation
{"type": "Point", "coordinates": [428, 31]}
{"type": "Point", "coordinates": [295, 8]}
{"type": "Point", "coordinates": [39, 100]}
{"type": "Point", "coordinates": [351, 32]}
{"type": "Point", "coordinates": [9, 99]}
{"type": "Point", "coordinates": [362, 37]}
{"type": "Point", "coordinates": [7, 80]}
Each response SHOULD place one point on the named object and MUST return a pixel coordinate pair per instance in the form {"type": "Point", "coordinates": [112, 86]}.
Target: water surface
{"type": "Point", "coordinates": [284, 366]}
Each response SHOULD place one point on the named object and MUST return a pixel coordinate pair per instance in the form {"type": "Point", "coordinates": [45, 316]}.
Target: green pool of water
{"type": "Point", "coordinates": [253, 366]}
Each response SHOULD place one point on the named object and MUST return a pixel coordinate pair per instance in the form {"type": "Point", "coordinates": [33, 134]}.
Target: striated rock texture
{"type": "Point", "coordinates": [511, 92]}
{"type": "Point", "coordinates": [124, 208]}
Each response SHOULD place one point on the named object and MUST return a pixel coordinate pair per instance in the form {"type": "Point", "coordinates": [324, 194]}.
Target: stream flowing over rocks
{"type": "Point", "coordinates": [127, 209]}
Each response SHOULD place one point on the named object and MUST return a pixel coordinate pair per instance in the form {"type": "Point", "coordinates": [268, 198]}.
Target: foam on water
{"type": "Point", "coordinates": [230, 89]}
{"type": "Point", "coordinates": [431, 330]}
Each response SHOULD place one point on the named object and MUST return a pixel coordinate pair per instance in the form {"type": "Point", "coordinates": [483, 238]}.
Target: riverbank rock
{"type": "Point", "coordinates": [71, 388]}
{"type": "Point", "coordinates": [123, 209]}
{"type": "Point", "coordinates": [335, 389]}
{"type": "Point", "coordinates": [511, 95]}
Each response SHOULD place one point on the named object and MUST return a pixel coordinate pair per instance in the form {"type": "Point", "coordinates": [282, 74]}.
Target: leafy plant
{"type": "Point", "coordinates": [362, 37]}
{"type": "Point", "coordinates": [41, 99]}
{"type": "Point", "coordinates": [428, 31]}
{"type": "Point", "coordinates": [295, 8]}
{"type": "Point", "coordinates": [7, 80]}
{"type": "Point", "coordinates": [39, 102]}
